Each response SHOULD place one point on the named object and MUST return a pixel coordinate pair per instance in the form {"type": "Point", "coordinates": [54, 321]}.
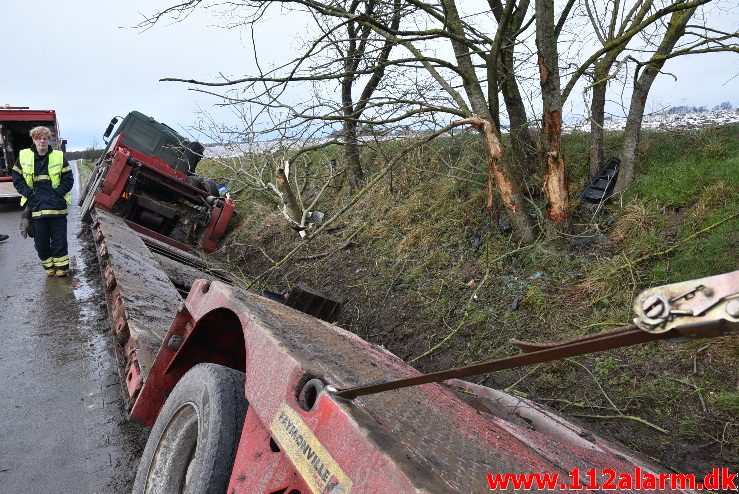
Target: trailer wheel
{"type": "Point", "coordinates": [193, 443]}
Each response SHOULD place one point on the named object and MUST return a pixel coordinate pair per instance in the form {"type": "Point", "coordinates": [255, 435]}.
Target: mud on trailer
{"type": "Point", "coordinates": [248, 395]}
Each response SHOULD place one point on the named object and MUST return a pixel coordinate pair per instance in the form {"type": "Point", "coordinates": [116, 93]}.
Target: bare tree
{"type": "Point", "coordinates": [608, 26]}
{"type": "Point", "coordinates": [384, 61]}
{"type": "Point", "coordinates": [439, 22]}
{"type": "Point", "coordinates": [615, 27]}
{"type": "Point", "coordinates": [355, 51]}
{"type": "Point", "coordinates": [675, 29]}
{"type": "Point", "coordinates": [343, 51]}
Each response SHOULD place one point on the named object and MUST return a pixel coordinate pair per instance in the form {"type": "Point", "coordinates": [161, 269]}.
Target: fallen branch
{"type": "Point", "coordinates": [619, 413]}
{"type": "Point", "coordinates": [530, 372]}
{"type": "Point", "coordinates": [627, 417]}
{"type": "Point", "coordinates": [694, 387]}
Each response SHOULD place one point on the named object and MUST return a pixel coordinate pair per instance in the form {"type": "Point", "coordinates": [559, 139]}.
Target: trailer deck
{"type": "Point", "coordinates": [141, 299]}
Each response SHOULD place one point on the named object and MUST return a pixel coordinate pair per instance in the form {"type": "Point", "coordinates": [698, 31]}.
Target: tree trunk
{"type": "Point", "coordinates": [465, 67]}
{"type": "Point", "coordinates": [556, 182]}
{"type": "Point", "coordinates": [522, 144]}
{"type": "Point", "coordinates": [510, 18]}
{"type": "Point", "coordinates": [351, 149]}
{"type": "Point", "coordinates": [351, 154]}
{"type": "Point", "coordinates": [290, 208]}
{"type": "Point", "coordinates": [507, 188]}
{"type": "Point", "coordinates": [597, 119]}
{"type": "Point", "coordinates": [483, 122]}
{"type": "Point", "coordinates": [632, 131]}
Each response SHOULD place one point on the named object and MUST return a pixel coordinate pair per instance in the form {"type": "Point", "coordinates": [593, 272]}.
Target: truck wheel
{"type": "Point", "coordinates": [195, 181]}
{"type": "Point", "coordinates": [193, 443]}
{"type": "Point", "coordinates": [211, 187]}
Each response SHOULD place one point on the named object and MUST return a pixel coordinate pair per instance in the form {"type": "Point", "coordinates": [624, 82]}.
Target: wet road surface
{"type": "Point", "coordinates": [63, 428]}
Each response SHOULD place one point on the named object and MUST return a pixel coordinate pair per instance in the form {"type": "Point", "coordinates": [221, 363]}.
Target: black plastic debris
{"type": "Point", "coordinates": [601, 186]}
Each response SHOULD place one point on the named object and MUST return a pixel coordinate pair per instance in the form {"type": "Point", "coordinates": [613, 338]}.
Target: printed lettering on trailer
{"type": "Point", "coordinates": [315, 464]}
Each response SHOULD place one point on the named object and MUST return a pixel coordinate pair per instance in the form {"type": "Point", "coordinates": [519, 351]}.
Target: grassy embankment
{"type": "Point", "coordinates": [423, 273]}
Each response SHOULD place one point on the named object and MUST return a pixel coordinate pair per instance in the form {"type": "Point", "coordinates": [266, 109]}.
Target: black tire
{"type": "Point", "coordinates": [211, 187]}
{"type": "Point", "coordinates": [196, 182]}
{"type": "Point", "coordinates": [193, 443]}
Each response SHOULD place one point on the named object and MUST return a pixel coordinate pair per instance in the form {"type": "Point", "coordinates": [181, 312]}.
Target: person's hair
{"type": "Point", "coordinates": [38, 132]}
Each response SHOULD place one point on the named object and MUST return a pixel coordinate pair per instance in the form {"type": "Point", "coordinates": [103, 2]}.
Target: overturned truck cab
{"type": "Point", "coordinates": [146, 176]}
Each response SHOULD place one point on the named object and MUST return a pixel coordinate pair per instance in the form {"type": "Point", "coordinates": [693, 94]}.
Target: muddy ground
{"type": "Point", "coordinates": [62, 419]}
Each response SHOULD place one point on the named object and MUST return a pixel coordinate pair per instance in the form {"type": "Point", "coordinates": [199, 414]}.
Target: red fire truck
{"type": "Point", "coordinates": [15, 124]}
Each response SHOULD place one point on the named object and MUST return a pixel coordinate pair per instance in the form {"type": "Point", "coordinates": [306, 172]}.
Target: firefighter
{"type": "Point", "coordinates": [44, 179]}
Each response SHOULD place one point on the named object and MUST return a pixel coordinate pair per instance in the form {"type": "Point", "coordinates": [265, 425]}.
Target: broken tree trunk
{"type": "Point", "coordinates": [507, 188]}
{"type": "Point", "coordinates": [290, 207]}
{"type": "Point", "coordinates": [556, 182]}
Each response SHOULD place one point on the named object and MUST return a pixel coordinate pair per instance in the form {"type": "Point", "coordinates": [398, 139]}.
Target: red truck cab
{"type": "Point", "coordinates": [146, 176]}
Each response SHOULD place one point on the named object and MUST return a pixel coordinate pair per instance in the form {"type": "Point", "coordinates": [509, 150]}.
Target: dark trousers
{"type": "Point", "coordinates": [50, 239]}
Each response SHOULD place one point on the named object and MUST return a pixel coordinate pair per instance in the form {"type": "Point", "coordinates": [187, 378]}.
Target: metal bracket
{"type": "Point", "coordinates": [696, 309]}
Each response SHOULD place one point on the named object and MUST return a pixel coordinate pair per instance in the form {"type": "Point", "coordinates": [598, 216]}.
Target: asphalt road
{"type": "Point", "coordinates": [63, 428]}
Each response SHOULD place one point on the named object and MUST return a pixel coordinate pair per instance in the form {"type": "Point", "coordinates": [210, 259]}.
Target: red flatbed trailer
{"type": "Point", "coordinates": [292, 433]}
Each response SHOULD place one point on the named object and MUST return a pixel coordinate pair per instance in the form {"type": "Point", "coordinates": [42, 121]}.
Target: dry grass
{"type": "Point", "coordinates": [635, 219]}
{"type": "Point", "coordinates": [714, 196]}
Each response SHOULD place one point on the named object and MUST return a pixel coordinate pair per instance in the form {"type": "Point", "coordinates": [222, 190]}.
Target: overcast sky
{"type": "Point", "coordinates": [85, 60]}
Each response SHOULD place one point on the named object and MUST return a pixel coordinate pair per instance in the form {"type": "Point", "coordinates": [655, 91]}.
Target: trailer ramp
{"type": "Point", "coordinates": [141, 299]}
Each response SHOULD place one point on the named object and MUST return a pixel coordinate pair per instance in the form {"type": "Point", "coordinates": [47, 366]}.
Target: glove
{"type": "Point", "coordinates": [26, 224]}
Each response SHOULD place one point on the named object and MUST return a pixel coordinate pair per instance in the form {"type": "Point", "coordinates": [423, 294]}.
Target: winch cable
{"type": "Point", "coordinates": [615, 338]}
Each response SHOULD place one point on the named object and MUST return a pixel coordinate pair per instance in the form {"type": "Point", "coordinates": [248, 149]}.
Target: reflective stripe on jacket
{"type": "Point", "coordinates": [26, 160]}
